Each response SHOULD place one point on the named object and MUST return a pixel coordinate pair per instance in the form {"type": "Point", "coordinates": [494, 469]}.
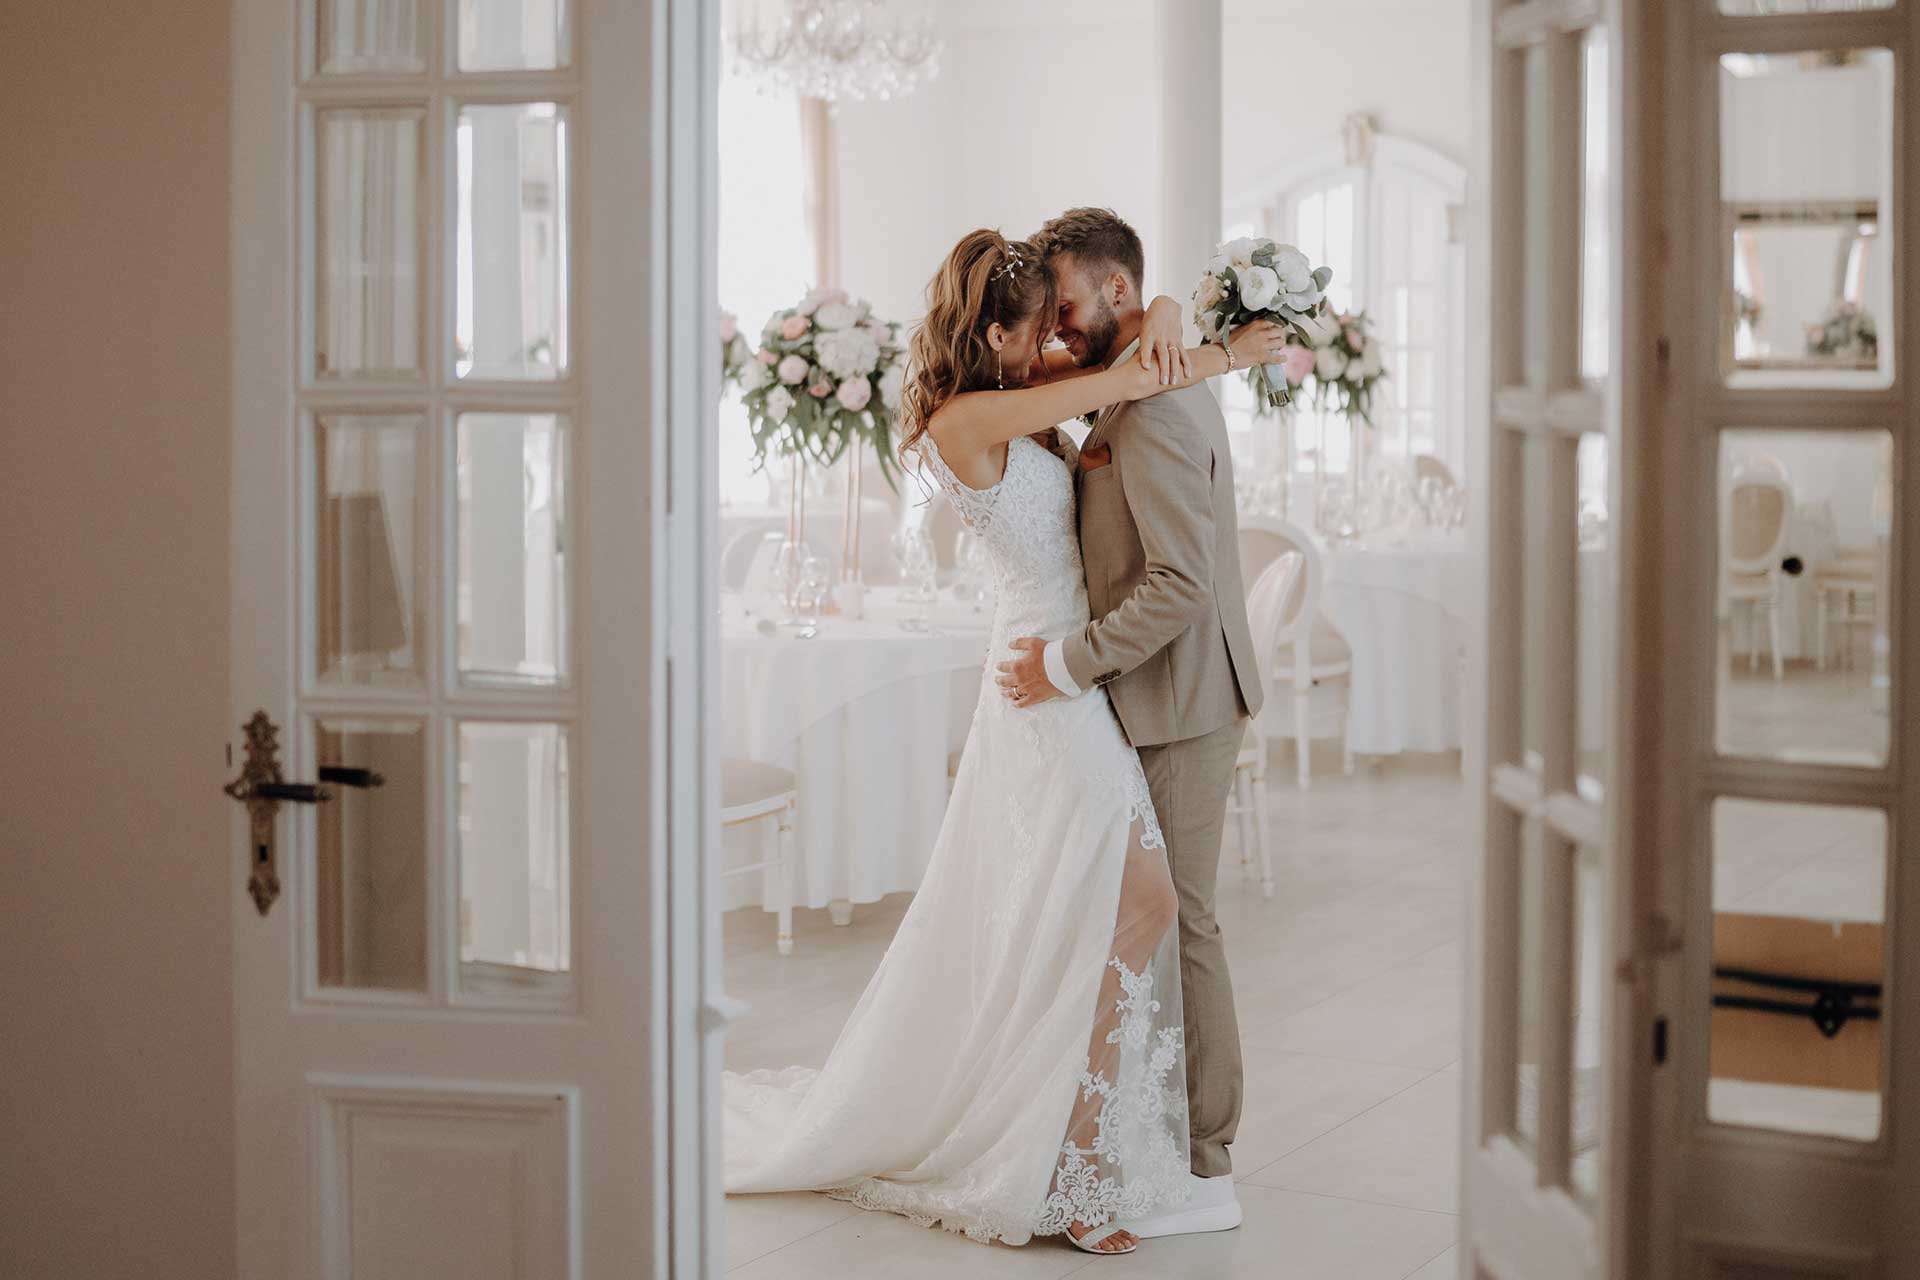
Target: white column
{"type": "Point", "coordinates": [1190, 139]}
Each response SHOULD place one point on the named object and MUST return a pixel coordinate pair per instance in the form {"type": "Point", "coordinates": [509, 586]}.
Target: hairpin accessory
{"type": "Point", "coordinates": [1013, 260]}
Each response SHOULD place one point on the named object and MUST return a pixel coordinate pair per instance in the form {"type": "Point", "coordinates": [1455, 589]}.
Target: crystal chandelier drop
{"type": "Point", "coordinates": [837, 50]}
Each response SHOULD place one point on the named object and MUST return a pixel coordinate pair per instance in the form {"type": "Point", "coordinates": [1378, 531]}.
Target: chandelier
{"type": "Point", "coordinates": [837, 50]}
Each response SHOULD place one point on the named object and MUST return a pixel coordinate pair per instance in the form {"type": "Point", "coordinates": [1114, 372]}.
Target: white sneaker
{"type": "Point", "coordinates": [1211, 1205]}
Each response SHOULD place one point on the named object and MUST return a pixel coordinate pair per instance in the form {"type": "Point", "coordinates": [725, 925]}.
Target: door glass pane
{"type": "Point", "coordinates": [369, 169]}
{"type": "Point", "coordinates": [511, 603]}
{"type": "Point", "coordinates": [1806, 522]}
{"type": "Point", "coordinates": [510, 317]}
{"type": "Point", "coordinates": [370, 595]}
{"type": "Point", "coordinates": [1799, 901]}
{"type": "Point", "coordinates": [513, 35]}
{"type": "Point", "coordinates": [1595, 287]}
{"type": "Point", "coordinates": [512, 844]}
{"type": "Point", "coordinates": [371, 35]}
{"type": "Point", "coordinates": [1806, 167]}
{"type": "Point", "coordinates": [1526, 1110]}
{"type": "Point", "coordinates": [370, 898]}
{"type": "Point", "coordinates": [1588, 1048]}
{"type": "Point", "coordinates": [1593, 627]}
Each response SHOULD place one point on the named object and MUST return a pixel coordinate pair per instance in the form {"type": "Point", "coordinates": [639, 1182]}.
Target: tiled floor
{"type": "Point", "coordinates": [1349, 989]}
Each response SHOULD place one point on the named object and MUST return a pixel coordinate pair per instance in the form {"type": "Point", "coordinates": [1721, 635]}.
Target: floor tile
{"type": "Point", "coordinates": [757, 1225]}
{"type": "Point", "coordinates": [1403, 1152]}
{"type": "Point", "coordinates": [1288, 1235]}
{"type": "Point", "coordinates": [1293, 1098]}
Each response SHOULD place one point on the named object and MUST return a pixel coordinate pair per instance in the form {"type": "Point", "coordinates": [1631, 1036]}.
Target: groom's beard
{"type": "Point", "coordinates": [1095, 345]}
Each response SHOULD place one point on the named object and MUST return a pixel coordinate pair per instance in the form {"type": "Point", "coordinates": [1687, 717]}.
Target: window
{"type": "Point", "coordinates": [766, 256]}
{"type": "Point", "coordinates": [1386, 221]}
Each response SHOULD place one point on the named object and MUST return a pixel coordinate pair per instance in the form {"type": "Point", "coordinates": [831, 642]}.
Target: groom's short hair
{"type": "Point", "coordinates": [1099, 239]}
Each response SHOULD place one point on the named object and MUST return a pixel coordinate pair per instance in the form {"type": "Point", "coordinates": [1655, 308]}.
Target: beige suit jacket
{"type": "Point", "coordinates": [1160, 541]}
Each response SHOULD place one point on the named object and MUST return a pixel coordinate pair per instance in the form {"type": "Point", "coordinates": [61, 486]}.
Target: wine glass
{"type": "Point", "coordinates": [913, 547]}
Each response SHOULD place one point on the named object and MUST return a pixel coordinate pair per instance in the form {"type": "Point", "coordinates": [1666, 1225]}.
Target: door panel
{"type": "Point", "coordinates": [457, 988]}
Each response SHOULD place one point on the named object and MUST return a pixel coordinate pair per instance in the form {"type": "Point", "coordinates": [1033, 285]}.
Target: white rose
{"type": "Point", "coordinates": [1370, 362]}
{"type": "Point", "coordinates": [793, 370]}
{"type": "Point", "coordinates": [1330, 365]}
{"type": "Point", "coordinates": [1240, 252]}
{"type": "Point", "coordinates": [1259, 286]}
{"type": "Point", "coordinates": [846, 353]}
{"type": "Point", "coordinates": [890, 383]}
{"type": "Point", "coordinates": [779, 403]}
{"type": "Point", "coordinates": [755, 376]}
{"type": "Point", "coordinates": [837, 315]}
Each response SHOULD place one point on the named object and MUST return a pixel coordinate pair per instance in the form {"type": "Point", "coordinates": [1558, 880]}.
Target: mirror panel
{"type": "Point", "coordinates": [1799, 914]}
{"type": "Point", "coordinates": [1806, 523]}
{"type": "Point", "coordinates": [1806, 169]}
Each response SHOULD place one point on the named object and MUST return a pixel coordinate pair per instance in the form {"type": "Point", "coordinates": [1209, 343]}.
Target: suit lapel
{"type": "Point", "coordinates": [1098, 434]}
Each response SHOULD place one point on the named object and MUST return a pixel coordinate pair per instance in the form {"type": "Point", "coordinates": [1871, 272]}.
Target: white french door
{"type": "Point", "coordinates": [1553, 993]}
{"type": "Point", "coordinates": [1779, 774]}
{"type": "Point", "coordinates": [455, 263]}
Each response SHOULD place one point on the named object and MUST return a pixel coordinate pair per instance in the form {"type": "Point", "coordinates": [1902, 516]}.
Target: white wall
{"type": "Point", "coordinates": [1039, 109]}
{"type": "Point", "coordinates": [1296, 70]}
{"type": "Point", "coordinates": [116, 1133]}
{"type": "Point", "coordinates": [1025, 120]}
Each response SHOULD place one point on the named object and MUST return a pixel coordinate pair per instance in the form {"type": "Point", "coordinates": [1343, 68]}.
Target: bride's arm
{"type": "Point", "coordinates": [973, 422]}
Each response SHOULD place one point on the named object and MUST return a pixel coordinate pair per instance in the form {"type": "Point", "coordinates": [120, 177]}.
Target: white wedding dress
{"type": "Point", "coordinates": [1016, 1063]}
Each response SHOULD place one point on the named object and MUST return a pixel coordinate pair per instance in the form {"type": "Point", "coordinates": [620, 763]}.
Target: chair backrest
{"type": "Point", "coordinates": [1285, 601]}
{"type": "Point", "coordinates": [736, 558]}
{"type": "Point", "coordinates": [759, 579]}
{"type": "Point", "coordinates": [1263, 539]}
{"type": "Point", "coordinates": [1759, 504]}
{"type": "Point", "coordinates": [1425, 465]}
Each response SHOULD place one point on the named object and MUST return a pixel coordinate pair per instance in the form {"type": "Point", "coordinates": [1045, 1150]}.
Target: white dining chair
{"type": "Point", "coordinates": [1303, 645]}
{"type": "Point", "coordinates": [752, 792]}
{"type": "Point", "coordinates": [1753, 539]}
{"type": "Point", "coordinates": [1263, 539]}
{"type": "Point", "coordinates": [1428, 467]}
{"type": "Point", "coordinates": [1843, 595]}
{"type": "Point", "coordinates": [736, 558]}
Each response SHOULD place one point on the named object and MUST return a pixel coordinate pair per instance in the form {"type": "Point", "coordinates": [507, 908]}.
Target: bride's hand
{"type": "Point", "coordinates": [1163, 346]}
{"type": "Point", "coordinates": [1258, 342]}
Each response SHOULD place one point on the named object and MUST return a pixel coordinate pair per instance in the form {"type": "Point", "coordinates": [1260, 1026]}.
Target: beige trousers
{"type": "Point", "coordinates": [1190, 781]}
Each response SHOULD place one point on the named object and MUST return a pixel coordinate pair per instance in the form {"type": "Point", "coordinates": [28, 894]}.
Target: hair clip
{"type": "Point", "coordinates": [1013, 261]}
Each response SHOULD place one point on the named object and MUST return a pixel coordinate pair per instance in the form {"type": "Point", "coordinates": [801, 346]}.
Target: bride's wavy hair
{"type": "Point", "coordinates": [987, 279]}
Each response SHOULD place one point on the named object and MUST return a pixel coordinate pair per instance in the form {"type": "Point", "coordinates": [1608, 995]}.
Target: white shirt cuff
{"type": "Point", "coordinates": [1055, 657]}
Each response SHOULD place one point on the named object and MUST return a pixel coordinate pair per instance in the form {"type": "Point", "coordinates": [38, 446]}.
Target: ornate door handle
{"type": "Point", "coordinates": [263, 789]}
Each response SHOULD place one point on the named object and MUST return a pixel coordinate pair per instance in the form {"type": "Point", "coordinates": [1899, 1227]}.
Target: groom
{"type": "Point", "coordinates": [1170, 642]}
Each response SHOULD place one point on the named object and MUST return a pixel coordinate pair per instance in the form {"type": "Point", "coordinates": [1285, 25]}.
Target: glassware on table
{"type": "Point", "coordinates": [919, 567]}
{"type": "Point", "coordinates": [790, 571]}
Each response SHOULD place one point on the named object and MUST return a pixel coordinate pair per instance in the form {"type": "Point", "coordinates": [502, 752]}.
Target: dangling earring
{"type": "Point", "coordinates": [1001, 359]}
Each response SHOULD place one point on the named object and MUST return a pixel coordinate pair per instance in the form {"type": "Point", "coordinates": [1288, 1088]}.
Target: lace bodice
{"type": "Point", "coordinates": [1026, 522]}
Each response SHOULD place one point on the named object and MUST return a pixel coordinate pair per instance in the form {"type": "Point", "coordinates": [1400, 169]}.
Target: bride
{"type": "Point", "coordinates": [1015, 1066]}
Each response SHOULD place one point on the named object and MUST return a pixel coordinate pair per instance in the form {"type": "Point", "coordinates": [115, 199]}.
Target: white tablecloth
{"type": "Point", "coordinates": [866, 714]}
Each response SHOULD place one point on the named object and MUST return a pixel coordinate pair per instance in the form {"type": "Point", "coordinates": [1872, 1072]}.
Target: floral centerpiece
{"type": "Point", "coordinates": [827, 374]}
{"type": "Point", "coordinates": [1347, 367]}
{"type": "Point", "coordinates": [1256, 279]}
{"type": "Point", "coordinates": [735, 352]}
{"type": "Point", "coordinates": [1847, 330]}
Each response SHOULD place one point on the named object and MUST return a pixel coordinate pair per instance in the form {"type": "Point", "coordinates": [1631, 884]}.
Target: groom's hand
{"type": "Point", "coordinates": [1024, 680]}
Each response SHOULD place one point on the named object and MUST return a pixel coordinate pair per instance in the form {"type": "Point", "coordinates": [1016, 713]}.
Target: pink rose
{"type": "Point", "coordinates": [766, 356]}
{"type": "Point", "coordinates": [854, 394]}
{"type": "Point", "coordinates": [820, 390]}
{"type": "Point", "coordinates": [794, 326]}
{"type": "Point", "coordinates": [1297, 362]}
{"type": "Point", "coordinates": [793, 370]}
{"type": "Point", "coordinates": [1355, 341]}
{"type": "Point", "coordinates": [729, 326]}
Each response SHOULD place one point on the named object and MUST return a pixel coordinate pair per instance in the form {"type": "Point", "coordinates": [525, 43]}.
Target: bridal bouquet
{"type": "Point", "coordinates": [1347, 367]}
{"type": "Point", "coordinates": [1254, 279]}
{"type": "Point", "coordinates": [735, 353]}
{"type": "Point", "coordinates": [1848, 330]}
{"type": "Point", "coordinates": [827, 373]}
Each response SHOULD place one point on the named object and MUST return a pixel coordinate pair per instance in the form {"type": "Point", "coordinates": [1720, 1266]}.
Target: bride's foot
{"type": "Point", "coordinates": [1106, 1239]}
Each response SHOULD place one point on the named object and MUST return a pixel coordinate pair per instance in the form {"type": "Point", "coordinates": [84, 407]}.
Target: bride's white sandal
{"type": "Point", "coordinates": [1090, 1242]}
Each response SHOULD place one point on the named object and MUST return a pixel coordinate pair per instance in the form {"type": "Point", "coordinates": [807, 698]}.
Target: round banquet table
{"type": "Point", "coordinates": [1406, 612]}
{"type": "Point", "coordinates": [866, 714]}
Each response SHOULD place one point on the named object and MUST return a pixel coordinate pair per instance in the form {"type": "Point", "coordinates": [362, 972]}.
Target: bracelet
{"type": "Point", "coordinates": [1228, 348]}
